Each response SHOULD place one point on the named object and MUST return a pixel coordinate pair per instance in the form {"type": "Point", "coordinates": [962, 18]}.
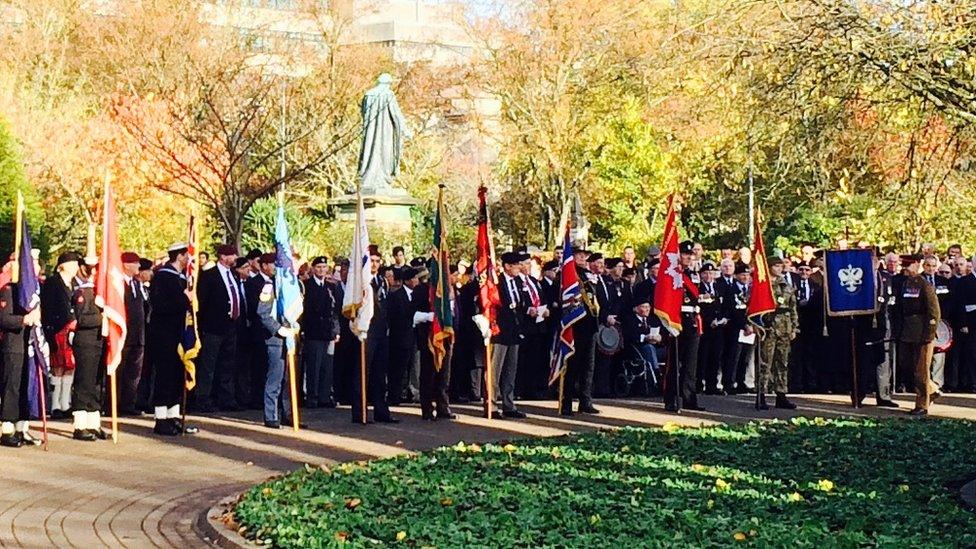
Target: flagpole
{"type": "Point", "coordinates": [489, 377]}
{"type": "Point", "coordinates": [41, 391]}
{"type": "Point", "coordinates": [562, 392]}
{"type": "Point", "coordinates": [293, 387]}
{"type": "Point", "coordinates": [362, 379]}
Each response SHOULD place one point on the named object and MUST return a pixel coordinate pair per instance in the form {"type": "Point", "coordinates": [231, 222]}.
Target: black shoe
{"type": "Point", "coordinates": [566, 411]}
{"type": "Point", "coordinates": [887, 403]}
{"type": "Point", "coordinates": [286, 421]}
{"type": "Point", "coordinates": [918, 412]}
{"type": "Point", "coordinates": [27, 440]}
{"type": "Point", "coordinates": [11, 441]}
{"type": "Point", "coordinates": [84, 434]}
{"type": "Point", "coordinates": [428, 417]}
{"type": "Point", "coordinates": [99, 433]}
{"type": "Point", "coordinates": [60, 414]}
{"type": "Point", "coordinates": [272, 424]}
{"type": "Point", "coordinates": [387, 419]}
{"type": "Point", "coordinates": [673, 408]}
{"type": "Point", "coordinates": [695, 407]}
{"type": "Point", "coordinates": [514, 414]}
{"type": "Point", "coordinates": [166, 427]}
{"type": "Point", "coordinates": [783, 402]}
{"type": "Point", "coordinates": [328, 404]}
{"type": "Point", "coordinates": [761, 403]}
{"type": "Point", "coordinates": [476, 401]}
{"type": "Point", "coordinates": [448, 416]}
{"type": "Point", "coordinates": [497, 415]}
{"type": "Point", "coordinates": [589, 409]}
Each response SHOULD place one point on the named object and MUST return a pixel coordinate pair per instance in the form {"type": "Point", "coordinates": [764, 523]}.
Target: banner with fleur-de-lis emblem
{"type": "Point", "coordinates": [851, 282]}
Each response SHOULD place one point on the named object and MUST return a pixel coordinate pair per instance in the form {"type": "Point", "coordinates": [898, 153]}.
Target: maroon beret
{"type": "Point", "coordinates": [269, 258]}
{"type": "Point", "coordinates": [227, 249]}
{"type": "Point", "coordinates": [374, 250]}
{"type": "Point", "coordinates": [130, 257]}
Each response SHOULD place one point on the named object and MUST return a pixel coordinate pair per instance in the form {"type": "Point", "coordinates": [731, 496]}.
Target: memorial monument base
{"type": "Point", "coordinates": [387, 209]}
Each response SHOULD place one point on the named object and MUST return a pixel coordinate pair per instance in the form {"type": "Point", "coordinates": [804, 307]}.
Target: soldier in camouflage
{"type": "Point", "coordinates": [781, 328]}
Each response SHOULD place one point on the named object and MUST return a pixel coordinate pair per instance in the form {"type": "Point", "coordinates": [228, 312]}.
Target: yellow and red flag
{"type": "Point", "coordinates": [669, 290]}
{"type": "Point", "coordinates": [761, 300]}
{"type": "Point", "coordinates": [442, 327]}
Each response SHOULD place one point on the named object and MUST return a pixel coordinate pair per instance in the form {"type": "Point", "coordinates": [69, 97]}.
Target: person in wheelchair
{"type": "Point", "coordinates": [642, 331]}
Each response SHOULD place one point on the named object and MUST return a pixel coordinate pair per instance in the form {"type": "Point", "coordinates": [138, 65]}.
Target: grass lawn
{"type": "Point", "coordinates": [804, 483]}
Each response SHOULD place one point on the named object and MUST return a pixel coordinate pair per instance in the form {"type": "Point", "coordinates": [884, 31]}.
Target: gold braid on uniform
{"type": "Point", "coordinates": [588, 296]}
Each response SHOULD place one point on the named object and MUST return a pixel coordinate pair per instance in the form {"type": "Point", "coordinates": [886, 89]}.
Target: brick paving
{"type": "Point", "coordinates": [148, 491]}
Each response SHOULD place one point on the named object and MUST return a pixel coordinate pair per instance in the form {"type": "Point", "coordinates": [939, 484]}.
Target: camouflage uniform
{"type": "Point", "coordinates": [781, 327]}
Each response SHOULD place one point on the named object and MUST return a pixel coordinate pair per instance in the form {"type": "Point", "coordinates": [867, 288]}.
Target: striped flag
{"type": "Point", "coordinates": [572, 311]}
{"type": "Point", "coordinates": [442, 327]}
{"type": "Point", "coordinates": [289, 299]}
{"type": "Point", "coordinates": [28, 298]}
{"type": "Point", "coordinates": [189, 347]}
{"type": "Point", "coordinates": [357, 303]}
{"type": "Point", "coordinates": [110, 286]}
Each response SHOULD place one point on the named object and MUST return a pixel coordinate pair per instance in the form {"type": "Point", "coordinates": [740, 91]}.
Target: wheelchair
{"type": "Point", "coordinates": [637, 376]}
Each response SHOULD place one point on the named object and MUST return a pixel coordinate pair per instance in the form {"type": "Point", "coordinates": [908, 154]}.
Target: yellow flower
{"type": "Point", "coordinates": [594, 519]}
{"type": "Point", "coordinates": [795, 497]}
{"type": "Point", "coordinates": [266, 491]}
{"type": "Point", "coordinates": [698, 468]}
{"type": "Point", "coordinates": [722, 486]}
{"type": "Point", "coordinates": [903, 488]}
{"type": "Point", "coordinates": [460, 447]}
{"type": "Point", "coordinates": [555, 453]}
{"type": "Point", "coordinates": [825, 485]}
{"type": "Point", "coordinates": [474, 448]}
{"type": "Point", "coordinates": [447, 502]}
{"type": "Point", "coordinates": [401, 535]}
{"type": "Point", "coordinates": [819, 421]}
{"type": "Point", "coordinates": [670, 427]}
{"type": "Point", "coordinates": [341, 536]}
{"type": "Point", "coordinates": [739, 536]}
{"type": "Point", "coordinates": [710, 504]}
{"type": "Point", "coordinates": [509, 448]}
{"type": "Point", "coordinates": [625, 449]}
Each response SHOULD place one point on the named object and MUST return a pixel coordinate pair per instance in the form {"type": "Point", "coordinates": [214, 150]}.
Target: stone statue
{"type": "Point", "coordinates": [384, 131]}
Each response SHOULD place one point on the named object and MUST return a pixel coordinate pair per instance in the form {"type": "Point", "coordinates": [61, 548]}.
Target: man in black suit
{"type": "Point", "coordinates": [726, 289]}
{"type": "Point", "coordinates": [403, 340]}
{"type": "Point", "coordinates": [320, 330]}
{"type": "Point", "coordinates": [433, 383]}
{"type": "Point", "coordinates": [257, 335]}
{"type": "Point", "coordinates": [130, 371]}
{"type": "Point", "coordinates": [710, 300]}
{"type": "Point", "coordinates": [58, 321]}
{"type": "Point", "coordinates": [637, 327]}
{"type": "Point", "coordinates": [743, 355]}
{"type": "Point", "coordinates": [220, 302]}
{"type": "Point", "coordinates": [505, 344]}
{"type": "Point", "coordinates": [170, 302]}
{"type": "Point", "coordinates": [810, 340]}
{"type": "Point", "coordinates": [533, 368]}
{"type": "Point", "coordinates": [606, 298]}
{"type": "Point", "coordinates": [579, 367]}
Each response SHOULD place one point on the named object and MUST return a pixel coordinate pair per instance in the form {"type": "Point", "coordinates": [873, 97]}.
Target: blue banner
{"type": "Point", "coordinates": [851, 282]}
{"type": "Point", "coordinates": [289, 289]}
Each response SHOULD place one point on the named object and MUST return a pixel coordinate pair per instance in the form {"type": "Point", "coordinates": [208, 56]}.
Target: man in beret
{"type": "Point", "coordinates": [221, 311]}
{"type": "Point", "coordinates": [686, 393]}
{"type": "Point", "coordinates": [710, 300]}
{"type": "Point", "coordinates": [254, 260]}
{"type": "Point", "coordinates": [915, 316]}
{"type": "Point", "coordinates": [144, 392]}
{"type": "Point", "coordinates": [810, 341]}
{"type": "Point", "coordinates": [170, 302]}
{"type": "Point", "coordinates": [130, 370]}
{"type": "Point", "coordinates": [58, 322]}
{"type": "Point", "coordinates": [320, 331]}
{"type": "Point", "coordinates": [780, 329]}
{"type": "Point", "coordinates": [249, 378]}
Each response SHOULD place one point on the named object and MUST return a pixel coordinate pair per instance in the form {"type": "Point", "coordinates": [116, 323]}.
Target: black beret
{"type": "Point", "coordinates": [405, 273]}
{"type": "Point", "coordinates": [510, 258]}
{"type": "Point", "coordinates": [145, 265]}
{"type": "Point", "coordinates": [254, 254]}
{"type": "Point", "coordinates": [550, 265]}
{"type": "Point", "coordinates": [709, 266]}
{"type": "Point", "coordinates": [417, 262]}
{"type": "Point", "coordinates": [67, 257]}
{"type": "Point", "coordinates": [595, 256]}
{"type": "Point", "coordinates": [613, 262]}
{"type": "Point", "coordinates": [653, 262]}
{"type": "Point", "coordinates": [641, 300]}
{"type": "Point", "coordinates": [629, 271]}
{"type": "Point", "coordinates": [320, 260]}
{"type": "Point", "coordinates": [687, 247]}
{"type": "Point", "coordinates": [240, 262]}
{"type": "Point", "coordinates": [741, 268]}
{"type": "Point", "coordinates": [523, 256]}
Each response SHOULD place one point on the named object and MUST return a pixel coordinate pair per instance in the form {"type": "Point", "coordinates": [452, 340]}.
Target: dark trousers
{"type": "Point", "coordinates": [87, 388]}
{"type": "Point", "coordinates": [434, 384]}
{"type": "Point", "coordinates": [579, 372]}
{"type": "Point", "coordinates": [710, 359]}
{"type": "Point", "coordinates": [13, 406]}
{"type": "Point", "coordinates": [274, 382]}
{"type": "Point", "coordinates": [318, 372]}
{"type": "Point", "coordinates": [169, 374]}
{"type": "Point", "coordinates": [144, 394]}
{"type": "Point", "coordinates": [377, 357]}
{"type": "Point", "coordinates": [730, 357]}
{"type": "Point", "coordinates": [401, 358]}
{"type": "Point", "coordinates": [743, 355]}
{"type": "Point", "coordinates": [244, 383]}
{"type": "Point", "coordinates": [687, 365]}
{"type": "Point", "coordinates": [533, 368]}
{"type": "Point", "coordinates": [345, 367]}
{"type": "Point", "coordinates": [130, 378]}
{"type": "Point", "coordinates": [216, 365]}
{"type": "Point", "coordinates": [809, 357]}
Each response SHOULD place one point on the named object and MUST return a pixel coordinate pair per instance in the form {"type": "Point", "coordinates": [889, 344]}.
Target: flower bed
{"type": "Point", "coordinates": [803, 483]}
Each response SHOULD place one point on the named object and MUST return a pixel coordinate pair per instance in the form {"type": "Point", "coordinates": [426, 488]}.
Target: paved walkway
{"type": "Point", "coordinates": [148, 491]}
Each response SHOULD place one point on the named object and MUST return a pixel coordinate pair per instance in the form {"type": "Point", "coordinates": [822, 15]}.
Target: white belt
{"type": "Point", "coordinates": [970, 308]}
{"type": "Point", "coordinates": [689, 309]}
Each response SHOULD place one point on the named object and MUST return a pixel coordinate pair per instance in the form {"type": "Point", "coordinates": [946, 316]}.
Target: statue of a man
{"type": "Point", "coordinates": [384, 130]}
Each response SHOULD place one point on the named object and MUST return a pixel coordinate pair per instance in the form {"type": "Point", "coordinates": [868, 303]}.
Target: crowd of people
{"type": "Point", "coordinates": [242, 363]}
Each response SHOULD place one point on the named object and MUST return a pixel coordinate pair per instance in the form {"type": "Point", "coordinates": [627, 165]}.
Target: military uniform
{"type": "Point", "coordinates": [916, 314]}
{"type": "Point", "coordinates": [781, 326]}
{"type": "Point", "coordinates": [169, 306]}
{"type": "Point", "coordinates": [14, 412]}
{"type": "Point", "coordinates": [87, 346]}
{"type": "Point", "coordinates": [686, 393]}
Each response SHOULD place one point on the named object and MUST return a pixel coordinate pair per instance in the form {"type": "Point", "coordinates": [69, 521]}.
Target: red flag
{"type": "Point", "coordinates": [484, 265]}
{"type": "Point", "coordinates": [110, 286]}
{"type": "Point", "coordinates": [669, 290]}
{"type": "Point", "coordinates": [761, 299]}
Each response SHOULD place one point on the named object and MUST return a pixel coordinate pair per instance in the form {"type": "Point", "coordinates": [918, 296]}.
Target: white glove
{"type": "Point", "coordinates": [71, 338]}
{"type": "Point", "coordinates": [481, 321]}
{"type": "Point", "coordinates": [544, 311]}
{"type": "Point", "coordinates": [286, 332]}
{"type": "Point", "coordinates": [362, 336]}
{"type": "Point", "coordinates": [421, 318]}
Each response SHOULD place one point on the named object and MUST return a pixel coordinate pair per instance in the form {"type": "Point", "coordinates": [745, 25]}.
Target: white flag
{"type": "Point", "coordinates": [357, 304]}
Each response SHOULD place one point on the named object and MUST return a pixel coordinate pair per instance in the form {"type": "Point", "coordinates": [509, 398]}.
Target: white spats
{"type": "Point", "coordinates": [94, 420]}
{"type": "Point", "coordinates": [160, 412]}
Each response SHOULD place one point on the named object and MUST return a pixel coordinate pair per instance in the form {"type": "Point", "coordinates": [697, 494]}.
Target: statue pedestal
{"type": "Point", "coordinates": [389, 209]}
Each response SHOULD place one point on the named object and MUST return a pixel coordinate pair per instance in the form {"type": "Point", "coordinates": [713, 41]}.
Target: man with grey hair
{"type": "Point", "coordinates": [944, 293]}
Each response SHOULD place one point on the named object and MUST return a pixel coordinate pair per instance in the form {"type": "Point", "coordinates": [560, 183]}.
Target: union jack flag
{"type": "Point", "coordinates": [572, 310]}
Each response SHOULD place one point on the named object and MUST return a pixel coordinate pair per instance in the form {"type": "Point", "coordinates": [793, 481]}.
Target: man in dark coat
{"type": "Point", "coordinates": [58, 321]}
{"type": "Point", "coordinates": [14, 412]}
{"type": "Point", "coordinates": [505, 344]}
{"type": "Point", "coordinates": [130, 370]}
{"type": "Point", "coordinates": [220, 312]}
{"type": "Point", "coordinates": [916, 314]}
{"type": "Point", "coordinates": [147, 379]}
{"type": "Point", "coordinates": [170, 302]}
{"type": "Point", "coordinates": [320, 329]}
{"type": "Point", "coordinates": [377, 350]}
{"type": "Point", "coordinates": [403, 340]}
{"type": "Point", "coordinates": [86, 400]}
{"type": "Point", "coordinates": [713, 324]}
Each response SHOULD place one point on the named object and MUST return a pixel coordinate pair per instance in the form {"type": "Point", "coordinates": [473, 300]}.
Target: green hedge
{"type": "Point", "coordinates": [803, 483]}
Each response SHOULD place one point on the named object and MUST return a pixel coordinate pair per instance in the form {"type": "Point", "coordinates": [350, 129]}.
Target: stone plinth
{"type": "Point", "coordinates": [388, 209]}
